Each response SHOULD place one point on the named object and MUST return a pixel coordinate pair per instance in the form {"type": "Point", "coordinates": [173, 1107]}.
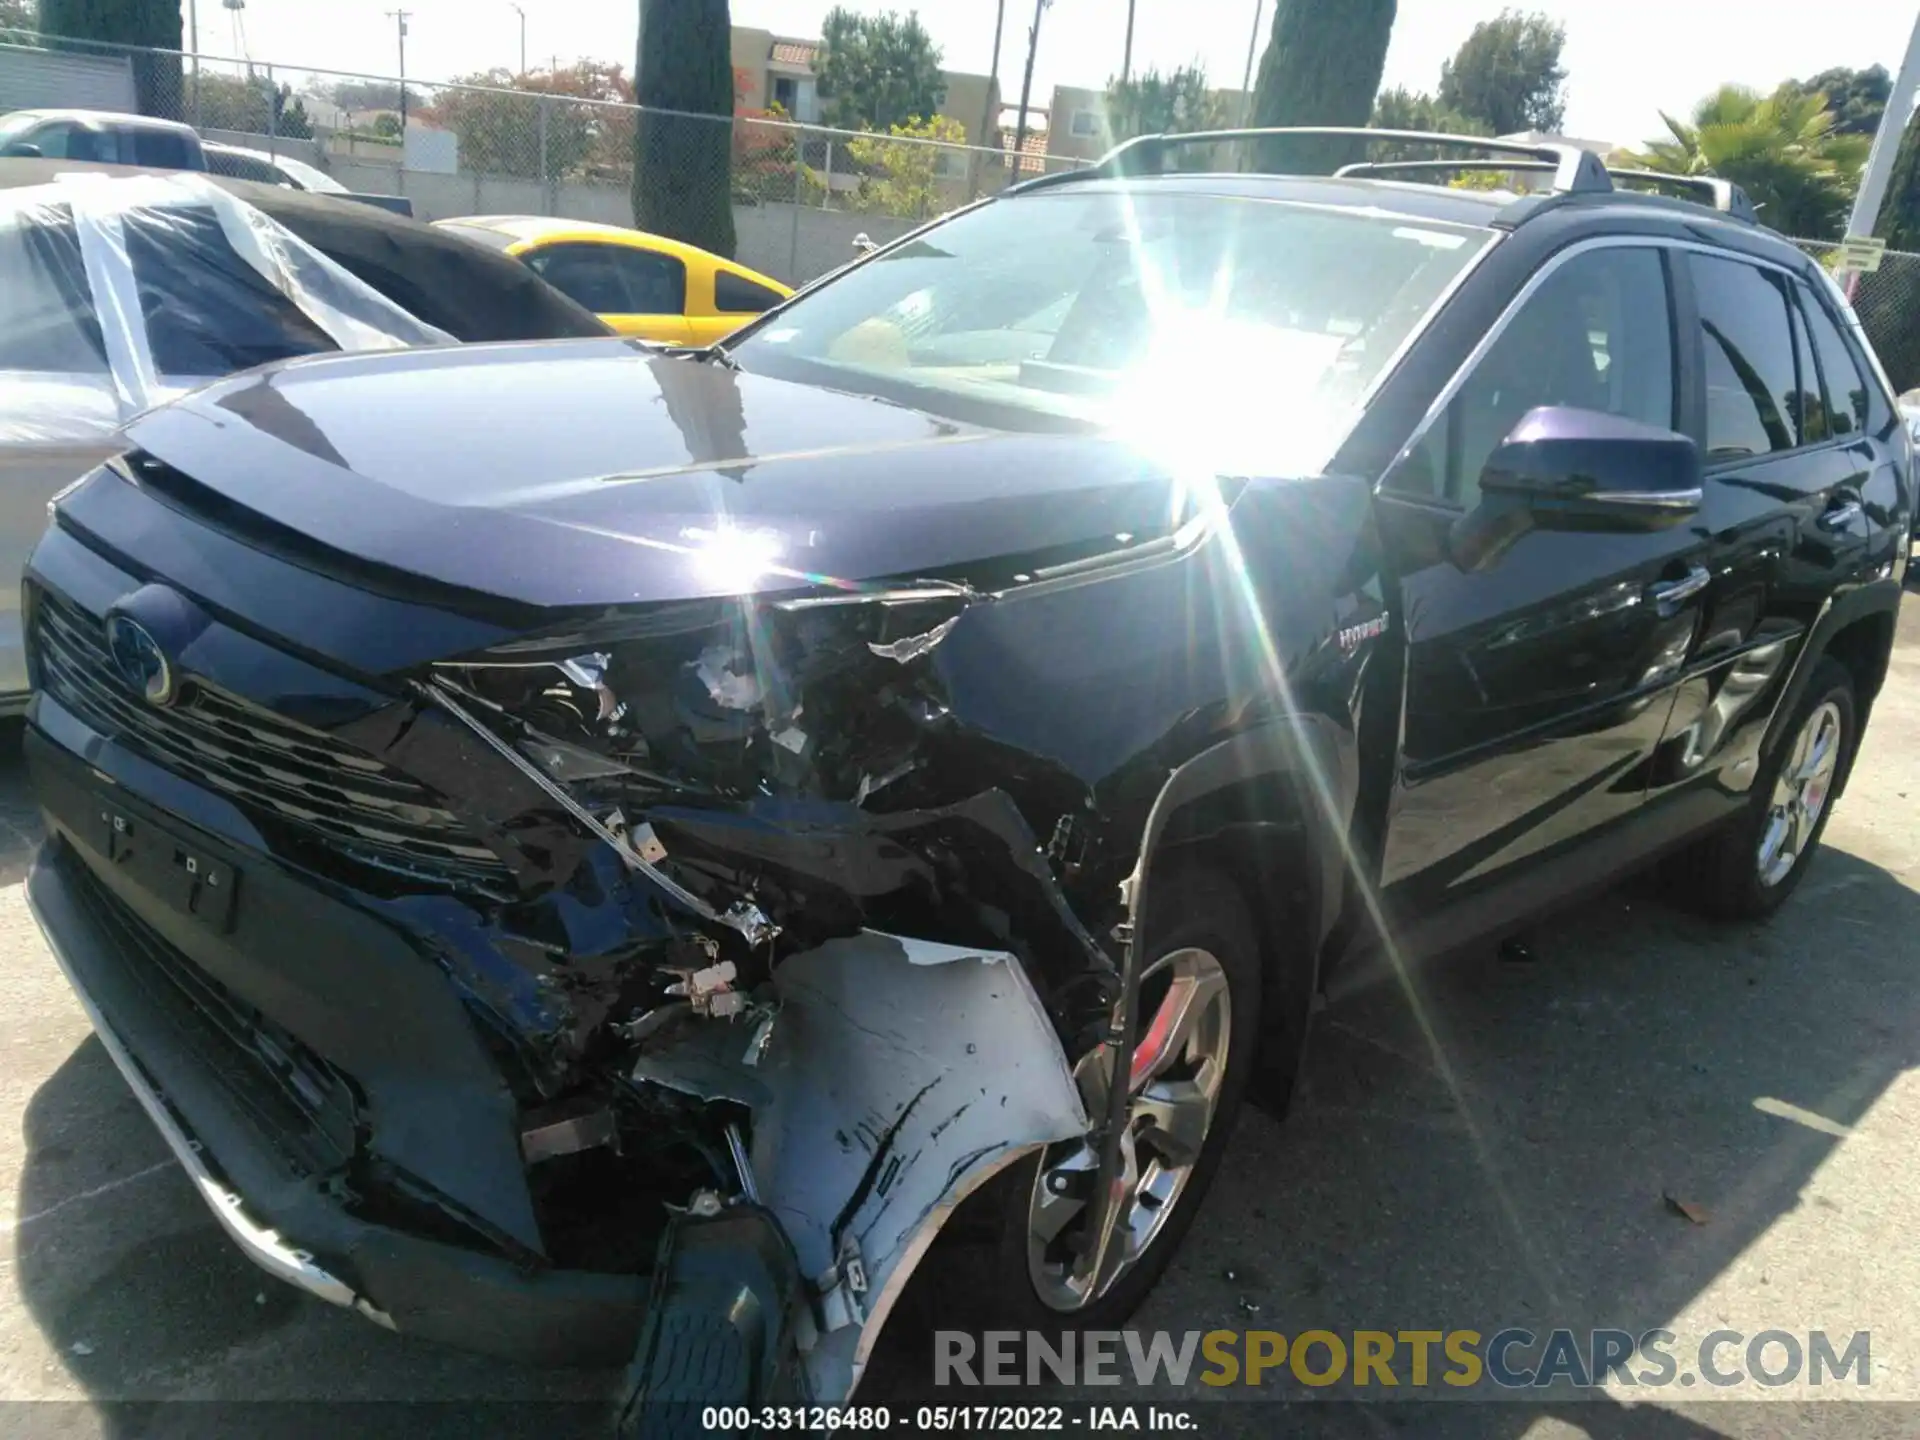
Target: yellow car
{"type": "Point", "coordinates": [640, 284]}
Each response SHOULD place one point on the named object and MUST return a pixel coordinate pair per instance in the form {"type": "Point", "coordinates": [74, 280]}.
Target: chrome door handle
{"type": "Point", "coordinates": [1841, 515]}
{"type": "Point", "coordinates": [1669, 595]}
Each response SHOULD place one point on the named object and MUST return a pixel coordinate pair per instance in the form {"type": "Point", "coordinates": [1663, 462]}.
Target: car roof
{"type": "Point", "coordinates": [503, 231]}
{"type": "Point", "coordinates": [469, 291]}
{"type": "Point", "coordinates": [1615, 211]}
{"type": "Point", "coordinates": [1394, 197]}
{"type": "Point", "coordinates": [108, 117]}
{"type": "Point", "coordinates": [520, 229]}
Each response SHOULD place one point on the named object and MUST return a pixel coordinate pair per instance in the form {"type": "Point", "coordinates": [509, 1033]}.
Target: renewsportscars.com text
{"type": "Point", "coordinates": [1402, 1359]}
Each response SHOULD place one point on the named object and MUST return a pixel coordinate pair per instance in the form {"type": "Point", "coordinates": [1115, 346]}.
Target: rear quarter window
{"type": "Point", "coordinates": [162, 149]}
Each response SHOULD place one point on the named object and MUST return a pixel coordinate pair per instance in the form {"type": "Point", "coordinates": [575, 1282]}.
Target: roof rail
{"type": "Point", "coordinates": [1575, 171]}
{"type": "Point", "coordinates": [1722, 195]}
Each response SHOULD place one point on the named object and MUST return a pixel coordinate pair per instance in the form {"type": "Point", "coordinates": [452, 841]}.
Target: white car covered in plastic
{"type": "Point", "coordinates": [119, 293]}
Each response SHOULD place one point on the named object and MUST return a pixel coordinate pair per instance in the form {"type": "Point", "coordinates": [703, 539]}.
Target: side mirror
{"type": "Point", "coordinates": [21, 150]}
{"type": "Point", "coordinates": [1563, 468]}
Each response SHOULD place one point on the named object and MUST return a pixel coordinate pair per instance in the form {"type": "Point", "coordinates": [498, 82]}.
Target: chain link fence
{"type": "Point", "coordinates": [546, 144]}
{"type": "Point", "coordinates": [1887, 301]}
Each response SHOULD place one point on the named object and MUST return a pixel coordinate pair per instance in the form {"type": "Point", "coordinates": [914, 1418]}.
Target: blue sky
{"type": "Point", "coordinates": [1628, 58]}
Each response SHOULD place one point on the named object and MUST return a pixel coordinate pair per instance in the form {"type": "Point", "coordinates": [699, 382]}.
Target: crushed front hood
{"type": "Point", "coordinates": [598, 472]}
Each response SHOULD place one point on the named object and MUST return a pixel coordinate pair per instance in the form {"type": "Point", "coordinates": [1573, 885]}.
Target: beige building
{"type": "Point", "coordinates": [1079, 128]}
{"type": "Point", "coordinates": [778, 70]}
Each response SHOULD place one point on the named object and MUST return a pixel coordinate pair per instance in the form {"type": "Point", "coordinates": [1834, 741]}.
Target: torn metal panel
{"type": "Point", "coordinates": [901, 1075]}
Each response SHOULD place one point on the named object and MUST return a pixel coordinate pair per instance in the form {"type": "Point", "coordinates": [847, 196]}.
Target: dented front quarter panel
{"type": "Point", "coordinates": [903, 1074]}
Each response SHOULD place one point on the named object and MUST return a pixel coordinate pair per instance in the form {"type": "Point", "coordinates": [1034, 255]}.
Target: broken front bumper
{"type": "Point", "coordinates": [167, 1031]}
{"type": "Point", "coordinates": [898, 1076]}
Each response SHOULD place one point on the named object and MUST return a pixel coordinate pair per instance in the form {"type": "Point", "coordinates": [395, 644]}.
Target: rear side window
{"type": "Point", "coordinates": [207, 311]}
{"type": "Point", "coordinates": [1753, 387]}
{"type": "Point", "coordinates": [614, 279]}
{"type": "Point", "coordinates": [162, 149]}
{"type": "Point", "coordinates": [736, 295]}
{"type": "Point", "coordinates": [47, 319]}
{"type": "Point", "coordinates": [1844, 384]}
{"type": "Point", "coordinates": [1596, 335]}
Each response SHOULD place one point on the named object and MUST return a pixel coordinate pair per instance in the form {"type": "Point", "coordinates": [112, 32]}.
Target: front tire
{"type": "Point", "coordinates": [1199, 1026]}
{"type": "Point", "coordinates": [1747, 871]}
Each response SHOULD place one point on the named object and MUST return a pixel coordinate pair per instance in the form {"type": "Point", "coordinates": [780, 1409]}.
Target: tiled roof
{"type": "Point", "coordinates": [1033, 150]}
{"type": "Point", "coordinates": [793, 52]}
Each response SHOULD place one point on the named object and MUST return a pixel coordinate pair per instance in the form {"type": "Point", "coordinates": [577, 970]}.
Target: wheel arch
{"type": "Point", "coordinates": [1270, 809]}
{"type": "Point", "coordinates": [1857, 630]}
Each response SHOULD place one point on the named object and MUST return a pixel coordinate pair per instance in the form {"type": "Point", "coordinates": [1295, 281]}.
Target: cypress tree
{"type": "Point", "coordinates": [1322, 66]}
{"type": "Point", "coordinates": [681, 161]}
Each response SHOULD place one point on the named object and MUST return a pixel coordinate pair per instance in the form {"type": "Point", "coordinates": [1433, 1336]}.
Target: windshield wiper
{"type": "Point", "coordinates": [705, 353]}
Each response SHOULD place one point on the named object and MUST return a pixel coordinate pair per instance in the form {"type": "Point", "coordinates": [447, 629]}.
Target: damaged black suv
{"type": "Point", "coordinates": [562, 834]}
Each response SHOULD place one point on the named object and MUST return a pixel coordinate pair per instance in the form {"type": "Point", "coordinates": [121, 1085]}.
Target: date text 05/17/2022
{"type": "Point", "coordinates": [924, 1419]}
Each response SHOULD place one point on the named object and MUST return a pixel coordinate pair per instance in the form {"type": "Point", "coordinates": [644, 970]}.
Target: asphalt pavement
{"type": "Point", "coordinates": [1516, 1144]}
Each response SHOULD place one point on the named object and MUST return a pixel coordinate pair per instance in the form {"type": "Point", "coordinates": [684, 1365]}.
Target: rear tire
{"type": "Point", "coordinates": [1748, 869]}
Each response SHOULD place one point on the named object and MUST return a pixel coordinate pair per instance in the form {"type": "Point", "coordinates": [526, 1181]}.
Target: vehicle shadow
{"type": "Point", "coordinates": [19, 819]}
{"type": "Point", "coordinates": [1488, 1146]}
{"type": "Point", "coordinates": [1492, 1145]}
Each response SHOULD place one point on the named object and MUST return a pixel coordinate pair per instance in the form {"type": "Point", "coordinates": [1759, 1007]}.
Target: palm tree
{"type": "Point", "coordinates": [1783, 149]}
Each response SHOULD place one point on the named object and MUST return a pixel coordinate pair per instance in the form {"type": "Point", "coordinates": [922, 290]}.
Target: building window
{"type": "Point", "coordinates": [1085, 124]}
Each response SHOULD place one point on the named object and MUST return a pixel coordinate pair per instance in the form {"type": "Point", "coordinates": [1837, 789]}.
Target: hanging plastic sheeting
{"type": "Point", "coordinates": [118, 293]}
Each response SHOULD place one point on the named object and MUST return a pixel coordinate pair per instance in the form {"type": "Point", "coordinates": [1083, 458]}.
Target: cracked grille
{"type": "Point", "coordinates": [268, 764]}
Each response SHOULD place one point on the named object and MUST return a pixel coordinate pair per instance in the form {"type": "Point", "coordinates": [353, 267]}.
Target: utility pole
{"type": "Point", "coordinates": [523, 35]}
{"type": "Point", "coordinates": [990, 119]}
{"type": "Point", "coordinates": [193, 43]}
{"type": "Point", "coordinates": [987, 125]}
{"type": "Point", "coordinates": [1886, 142]}
{"type": "Point", "coordinates": [1126, 55]}
{"type": "Point", "coordinates": [1026, 89]}
{"type": "Point", "coordinates": [1246, 80]}
{"type": "Point", "coordinates": [399, 17]}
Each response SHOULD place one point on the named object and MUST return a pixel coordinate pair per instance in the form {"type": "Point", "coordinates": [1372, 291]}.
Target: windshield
{"type": "Point", "coordinates": [309, 177]}
{"type": "Point", "coordinates": [12, 127]}
{"type": "Point", "coordinates": [1248, 326]}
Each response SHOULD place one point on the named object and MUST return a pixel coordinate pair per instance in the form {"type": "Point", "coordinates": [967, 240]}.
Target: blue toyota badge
{"type": "Point", "coordinates": [140, 660]}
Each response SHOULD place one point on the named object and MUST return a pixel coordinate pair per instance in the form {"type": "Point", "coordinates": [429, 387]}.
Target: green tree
{"type": "Point", "coordinates": [683, 144]}
{"type": "Point", "coordinates": [1401, 109]}
{"type": "Point", "coordinates": [1783, 149]}
{"type": "Point", "coordinates": [500, 133]}
{"type": "Point", "coordinates": [1899, 223]}
{"type": "Point", "coordinates": [877, 71]}
{"type": "Point", "coordinates": [368, 95]}
{"type": "Point", "coordinates": [1321, 66]}
{"type": "Point", "coordinates": [19, 15]}
{"type": "Point", "coordinates": [1508, 74]}
{"type": "Point", "coordinates": [903, 179]}
{"type": "Point", "coordinates": [251, 105]}
{"type": "Point", "coordinates": [1154, 104]}
{"type": "Point", "coordinates": [1857, 98]}
{"type": "Point", "coordinates": [152, 23]}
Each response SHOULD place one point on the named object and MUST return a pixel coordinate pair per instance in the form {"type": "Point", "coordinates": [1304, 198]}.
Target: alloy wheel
{"type": "Point", "coordinates": [1179, 1068]}
{"type": "Point", "coordinates": [1800, 794]}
